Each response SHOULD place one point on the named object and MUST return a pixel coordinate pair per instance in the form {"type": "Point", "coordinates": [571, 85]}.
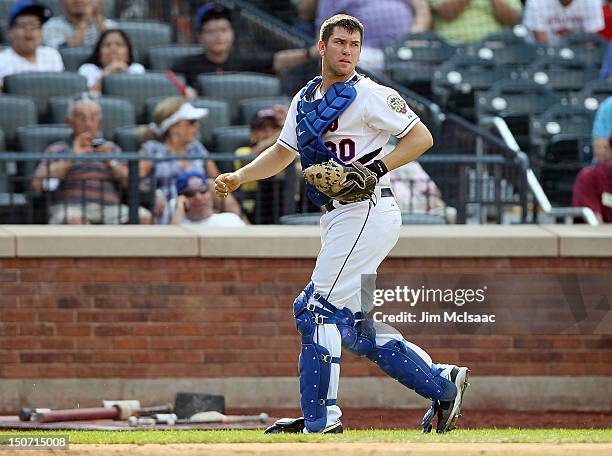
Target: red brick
{"type": "Point", "coordinates": [8, 276]}
{"type": "Point", "coordinates": [95, 371]}
{"type": "Point", "coordinates": [185, 276]}
{"type": "Point", "coordinates": [240, 370]}
{"type": "Point", "coordinates": [222, 276]}
{"type": "Point", "coordinates": [91, 343]}
{"type": "Point", "coordinates": [60, 316]}
{"type": "Point", "coordinates": [599, 369]}
{"type": "Point", "coordinates": [111, 357]}
{"type": "Point", "coordinates": [110, 316]}
{"type": "Point", "coordinates": [9, 302]}
{"type": "Point", "coordinates": [19, 289]}
{"type": "Point", "coordinates": [56, 343]}
{"type": "Point", "coordinates": [602, 343]}
{"type": "Point", "coordinates": [149, 302]}
{"type": "Point", "coordinates": [151, 357]}
{"type": "Point", "coordinates": [168, 289]}
{"type": "Point", "coordinates": [155, 276]}
{"type": "Point", "coordinates": [131, 343]}
{"type": "Point", "coordinates": [134, 263]}
{"type": "Point", "coordinates": [277, 370]}
{"type": "Point", "coordinates": [8, 330]}
{"type": "Point", "coordinates": [566, 369]}
{"type": "Point", "coordinates": [8, 358]}
{"type": "Point", "coordinates": [71, 275]}
{"type": "Point", "coordinates": [113, 330]}
{"type": "Point", "coordinates": [167, 343]}
{"type": "Point", "coordinates": [581, 356]}
{"type": "Point", "coordinates": [74, 330]}
{"type": "Point", "coordinates": [187, 330]}
{"type": "Point", "coordinates": [98, 289]}
{"type": "Point", "coordinates": [38, 302]}
{"type": "Point", "coordinates": [57, 372]}
{"type": "Point", "coordinates": [20, 371]}
{"type": "Point", "coordinates": [545, 357]}
{"type": "Point", "coordinates": [19, 263]}
{"type": "Point", "coordinates": [150, 330]}
{"type": "Point", "coordinates": [72, 302]}
{"type": "Point", "coordinates": [18, 343]}
{"type": "Point", "coordinates": [131, 289]}
{"type": "Point", "coordinates": [18, 315]}
{"type": "Point", "coordinates": [36, 329]}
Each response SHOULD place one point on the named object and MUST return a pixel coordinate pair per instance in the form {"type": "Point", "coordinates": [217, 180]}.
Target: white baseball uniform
{"type": "Point", "coordinates": [355, 238]}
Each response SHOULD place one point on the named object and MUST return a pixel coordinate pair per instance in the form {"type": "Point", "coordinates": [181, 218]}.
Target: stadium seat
{"type": "Point", "coordinates": [15, 112]}
{"type": "Point", "coordinates": [228, 139]}
{"type": "Point", "coordinates": [218, 115]}
{"type": "Point", "coordinates": [588, 48]}
{"type": "Point", "coordinates": [515, 101]}
{"type": "Point", "coordinates": [44, 85]}
{"type": "Point", "coordinates": [137, 88]}
{"type": "Point", "coordinates": [233, 87]}
{"type": "Point", "coordinates": [593, 94]}
{"type": "Point", "coordinates": [58, 9]}
{"type": "Point", "coordinates": [116, 112]}
{"type": "Point", "coordinates": [456, 82]}
{"type": "Point", "coordinates": [561, 74]}
{"type": "Point", "coordinates": [75, 57]}
{"type": "Point", "coordinates": [250, 106]}
{"type": "Point", "coordinates": [162, 58]}
{"type": "Point", "coordinates": [36, 138]}
{"type": "Point", "coordinates": [506, 49]}
{"type": "Point", "coordinates": [144, 34]}
{"type": "Point", "coordinates": [310, 218]}
{"type": "Point", "coordinates": [560, 119]}
{"type": "Point", "coordinates": [128, 138]}
{"type": "Point", "coordinates": [413, 60]}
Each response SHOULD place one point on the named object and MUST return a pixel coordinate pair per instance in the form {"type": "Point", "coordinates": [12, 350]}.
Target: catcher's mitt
{"type": "Point", "coordinates": [346, 184]}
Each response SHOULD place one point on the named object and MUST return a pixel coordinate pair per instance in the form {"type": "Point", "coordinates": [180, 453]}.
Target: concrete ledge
{"type": "Point", "coordinates": [583, 240]}
{"type": "Point", "coordinates": [499, 393]}
{"type": "Point", "coordinates": [42, 241]}
{"type": "Point", "coordinates": [260, 241]}
{"type": "Point", "coordinates": [7, 244]}
{"type": "Point", "coordinates": [475, 241]}
{"type": "Point", "coordinates": [416, 241]}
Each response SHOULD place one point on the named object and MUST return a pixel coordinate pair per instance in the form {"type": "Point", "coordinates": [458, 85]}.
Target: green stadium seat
{"type": "Point", "coordinates": [128, 138]}
{"type": "Point", "coordinates": [137, 88]}
{"type": "Point", "coordinates": [250, 106]}
{"type": "Point", "coordinates": [562, 74]}
{"type": "Point", "coordinates": [15, 112]}
{"type": "Point", "coordinates": [44, 85]}
{"type": "Point", "coordinates": [233, 87]}
{"type": "Point", "coordinates": [75, 57]}
{"type": "Point", "coordinates": [116, 112]}
{"type": "Point", "coordinates": [144, 34]}
{"type": "Point", "coordinates": [58, 9]}
{"type": "Point", "coordinates": [162, 58]}
{"type": "Point", "coordinates": [228, 139]}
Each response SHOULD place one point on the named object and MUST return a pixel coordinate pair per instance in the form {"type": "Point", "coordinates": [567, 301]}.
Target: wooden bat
{"type": "Point", "coordinates": [216, 417]}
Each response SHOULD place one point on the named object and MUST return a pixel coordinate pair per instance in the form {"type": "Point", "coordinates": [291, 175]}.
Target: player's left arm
{"type": "Point", "coordinates": [410, 147]}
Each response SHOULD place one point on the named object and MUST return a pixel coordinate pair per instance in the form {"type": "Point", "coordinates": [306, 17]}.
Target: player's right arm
{"type": "Point", "coordinates": [267, 164]}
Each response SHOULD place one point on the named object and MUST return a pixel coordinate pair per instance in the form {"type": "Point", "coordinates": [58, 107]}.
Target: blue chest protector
{"type": "Point", "coordinates": [313, 118]}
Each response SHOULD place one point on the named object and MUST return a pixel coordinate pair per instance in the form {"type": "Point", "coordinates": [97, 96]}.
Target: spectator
{"type": "Point", "coordinates": [216, 35]}
{"type": "Point", "coordinates": [81, 24]}
{"type": "Point", "coordinates": [194, 204]}
{"type": "Point", "coordinates": [472, 20]}
{"type": "Point", "coordinates": [84, 191]}
{"type": "Point", "coordinates": [593, 189]}
{"type": "Point", "coordinates": [606, 32]}
{"type": "Point", "coordinates": [386, 21]}
{"type": "Point", "coordinates": [26, 54]}
{"type": "Point", "coordinates": [602, 128]}
{"type": "Point", "coordinates": [266, 126]}
{"type": "Point", "coordinates": [172, 134]}
{"type": "Point", "coordinates": [606, 67]}
{"type": "Point", "coordinates": [549, 20]}
{"type": "Point", "coordinates": [416, 193]}
{"type": "Point", "coordinates": [112, 54]}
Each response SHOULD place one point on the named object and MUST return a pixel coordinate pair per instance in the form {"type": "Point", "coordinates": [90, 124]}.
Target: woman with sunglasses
{"type": "Point", "coordinates": [172, 134]}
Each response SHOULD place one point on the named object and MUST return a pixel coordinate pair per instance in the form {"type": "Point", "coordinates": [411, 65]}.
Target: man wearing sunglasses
{"type": "Point", "coordinates": [194, 205]}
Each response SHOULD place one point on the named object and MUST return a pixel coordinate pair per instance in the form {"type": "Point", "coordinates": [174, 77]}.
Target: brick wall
{"type": "Point", "coordinates": [195, 317]}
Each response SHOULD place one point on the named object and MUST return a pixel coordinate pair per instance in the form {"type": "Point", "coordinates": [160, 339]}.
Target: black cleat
{"type": "Point", "coordinates": [297, 425]}
{"type": "Point", "coordinates": [450, 411]}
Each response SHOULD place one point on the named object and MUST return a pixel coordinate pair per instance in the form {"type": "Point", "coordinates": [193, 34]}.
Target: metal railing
{"type": "Point", "coordinates": [485, 182]}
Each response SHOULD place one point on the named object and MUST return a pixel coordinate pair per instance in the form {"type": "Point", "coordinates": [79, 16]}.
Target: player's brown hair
{"type": "Point", "coordinates": [350, 23]}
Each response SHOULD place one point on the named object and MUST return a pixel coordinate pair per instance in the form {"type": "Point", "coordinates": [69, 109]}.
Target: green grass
{"type": "Point", "coordinates": [552, 436]}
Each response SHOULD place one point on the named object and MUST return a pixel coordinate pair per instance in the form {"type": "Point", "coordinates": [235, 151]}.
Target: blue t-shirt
{"type": "Point", "coordinates": [602, 126]}
{"type": "Point", "coordinates": [606, 67]}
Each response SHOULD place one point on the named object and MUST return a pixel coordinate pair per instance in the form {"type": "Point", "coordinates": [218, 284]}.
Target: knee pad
{"type": "Point", "coordinates": [401, 363]}
{"type": "Point", "coordinates": [357, 337]}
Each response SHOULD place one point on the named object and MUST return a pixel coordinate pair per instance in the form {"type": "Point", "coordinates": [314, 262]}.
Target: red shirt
{"type": "Point", "coordinates": [593, 188]}
{"type": "Point", "coordinates": [606, 33]}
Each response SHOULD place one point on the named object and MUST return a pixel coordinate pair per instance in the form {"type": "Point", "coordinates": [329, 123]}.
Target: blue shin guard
{"type": "Point", "coordinates": [315, 365]}
{"type": "Point", "coordinates": [400, 362]}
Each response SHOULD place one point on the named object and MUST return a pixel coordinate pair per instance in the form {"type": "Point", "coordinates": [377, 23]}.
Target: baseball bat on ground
{"type": "Point", "coordinates": [198, 418]}
{"type": "Point", "coordinates": [114, 411]}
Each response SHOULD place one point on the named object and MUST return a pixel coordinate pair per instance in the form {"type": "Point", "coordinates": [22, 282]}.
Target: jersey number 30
{"type": "Point", "coordinates": [344, 150]}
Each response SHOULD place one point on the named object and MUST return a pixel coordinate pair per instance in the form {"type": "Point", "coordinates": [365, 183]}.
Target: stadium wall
{"type": "Point", "coordinates": [88, 313]}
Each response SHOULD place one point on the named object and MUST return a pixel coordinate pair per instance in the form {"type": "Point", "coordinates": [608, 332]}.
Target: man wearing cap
{"type": "Point", "coordinates": [80, 25]}
{"type": "Point", "coordinates": [216, 35]}
{"type": "Point", "coordinates": [194, 204]}
{"type": "Point", "coordinates": [26, 54]}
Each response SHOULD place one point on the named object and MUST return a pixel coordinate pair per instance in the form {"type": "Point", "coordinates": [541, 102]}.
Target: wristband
{"type": "Point", "coordinates": [378, 167]}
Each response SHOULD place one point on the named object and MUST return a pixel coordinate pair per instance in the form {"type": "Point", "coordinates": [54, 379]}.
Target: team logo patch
{"type": "Point", "coordinates": [397, 103]}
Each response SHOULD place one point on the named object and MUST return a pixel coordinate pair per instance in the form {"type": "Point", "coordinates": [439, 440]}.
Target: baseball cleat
{"type": "Point", "coordinates": [450, 411]}
{"type": "Point", "coordinates": [297, 426]}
